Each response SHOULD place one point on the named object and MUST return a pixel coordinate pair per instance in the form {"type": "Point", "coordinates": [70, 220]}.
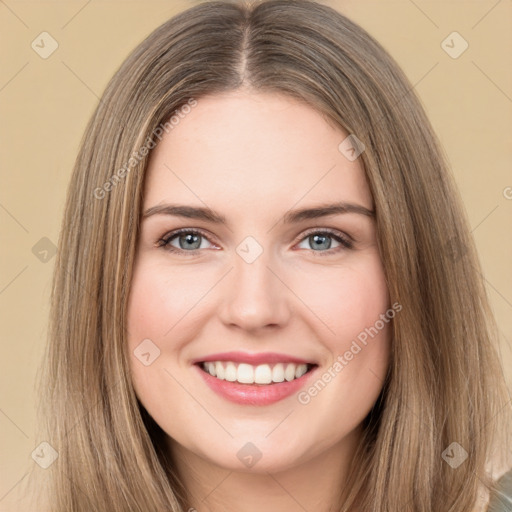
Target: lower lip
{"type": "Point", "coordinates": [254, 394]}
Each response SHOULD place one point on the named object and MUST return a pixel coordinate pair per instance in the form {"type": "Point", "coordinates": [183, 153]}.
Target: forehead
{"type": "Point", "coordinates": [248, 150]}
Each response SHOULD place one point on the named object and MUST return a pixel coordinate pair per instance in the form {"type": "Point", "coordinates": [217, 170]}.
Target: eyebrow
{"type": "Point", "coordinates": [290, 217]}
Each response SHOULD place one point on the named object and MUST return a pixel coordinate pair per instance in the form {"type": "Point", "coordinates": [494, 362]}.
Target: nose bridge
{"type": "Point", "coordinates": [254, 297]}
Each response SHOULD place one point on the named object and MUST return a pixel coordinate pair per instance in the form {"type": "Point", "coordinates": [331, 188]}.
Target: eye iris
{"type": "Point", "coordinates": [190, 238]}
{"type": "Point", "coordinates": [320, 241]}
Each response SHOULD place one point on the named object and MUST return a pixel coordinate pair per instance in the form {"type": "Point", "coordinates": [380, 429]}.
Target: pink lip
{"type": "Point", "coordinates": [253, 394]}
{"type": "Point", "coordinates": [254, 359]}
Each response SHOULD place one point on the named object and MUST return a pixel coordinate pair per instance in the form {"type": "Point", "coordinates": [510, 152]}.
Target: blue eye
{"type": "Point", "coordinates": [189, 240]}
{"type": "Point", "coordinates": [320, 242]}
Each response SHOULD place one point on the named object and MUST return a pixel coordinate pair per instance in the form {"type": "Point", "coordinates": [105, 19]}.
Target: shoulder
{"type": "Point", "coordinates": [500, 499]}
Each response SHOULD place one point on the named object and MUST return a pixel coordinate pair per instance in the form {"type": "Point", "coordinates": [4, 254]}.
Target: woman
{"type": "Point", "coordinates": [333, 349]}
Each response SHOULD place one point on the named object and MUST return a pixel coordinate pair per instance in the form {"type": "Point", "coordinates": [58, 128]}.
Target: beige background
{"type": "Point", "coordinates": [45, 104]}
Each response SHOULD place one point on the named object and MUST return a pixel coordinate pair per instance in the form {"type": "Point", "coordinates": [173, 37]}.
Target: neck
{"type": "Point", "coordinates": [315, 484]}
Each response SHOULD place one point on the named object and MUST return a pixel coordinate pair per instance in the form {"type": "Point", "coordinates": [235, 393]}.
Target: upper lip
{"type": "Point", "coordinates": [253, 359]}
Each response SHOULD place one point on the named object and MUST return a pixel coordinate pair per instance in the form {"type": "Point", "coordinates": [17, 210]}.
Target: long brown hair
{"type": "Point", "coordinates": [445, 383]}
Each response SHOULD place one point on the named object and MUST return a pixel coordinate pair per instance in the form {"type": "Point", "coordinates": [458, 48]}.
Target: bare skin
{"type": "Point", "coordinates": [253, 157]}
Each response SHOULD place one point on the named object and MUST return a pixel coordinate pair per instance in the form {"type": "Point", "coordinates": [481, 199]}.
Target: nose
{"type": "Point", "coordinates": [255, 296]}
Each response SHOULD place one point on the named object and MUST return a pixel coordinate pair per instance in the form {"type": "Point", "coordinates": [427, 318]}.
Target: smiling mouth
{"type": "Point", "coordinates": [263, 374]}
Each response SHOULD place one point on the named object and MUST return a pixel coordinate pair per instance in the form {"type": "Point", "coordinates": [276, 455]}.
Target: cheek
{"type": "Point", "coordinates": [156, 303]}
{"type": "Point", "coordinates": [346, 300]}
{"type": "Point", "coordinates": [360, 304]}
{"type": "Point", "coordinates": [154, 307]}
{"type": "Point", "coordinates": [159, 299]}
{"type": "Point", "coordinates": [166, 306]}
{"type": "Point", "coordinates": [364, 325]}
{"type": "Point", "coordinates": [354, 304]}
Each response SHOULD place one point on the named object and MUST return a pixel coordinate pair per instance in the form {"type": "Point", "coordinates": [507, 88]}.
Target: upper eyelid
{"type": "Point", "coordinates": [330, 231]}
{"type": "Point", "coordinates": [171, 234]}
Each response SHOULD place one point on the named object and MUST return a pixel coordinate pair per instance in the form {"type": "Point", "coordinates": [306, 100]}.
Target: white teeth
{"type": "Point", "coordinates": [211, 368]}
{"type": "Point", "coordinates": [230, 372]}
{"type": "Point", "coordinates": [245, 373]}
{"type": "Point", "coordinates": [219, 370]}
{"type": "Point", "coordinates": [263, 374]}
{"type": "Point", "coordinates": [289, 373]}
{"type": "Point", "coordinates": [278, 373]}
{"type": "Point", "coordinates": [260, 374]}
{"type": "Point", "coordinates": [301, 370]}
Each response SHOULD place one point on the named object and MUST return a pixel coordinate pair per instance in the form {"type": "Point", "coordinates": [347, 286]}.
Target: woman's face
{"type": "Point", "coordinates": [261, 283]}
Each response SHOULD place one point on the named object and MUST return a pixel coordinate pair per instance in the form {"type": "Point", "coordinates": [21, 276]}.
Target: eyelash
{"type": "Point", "coordinates": [345, 242]}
